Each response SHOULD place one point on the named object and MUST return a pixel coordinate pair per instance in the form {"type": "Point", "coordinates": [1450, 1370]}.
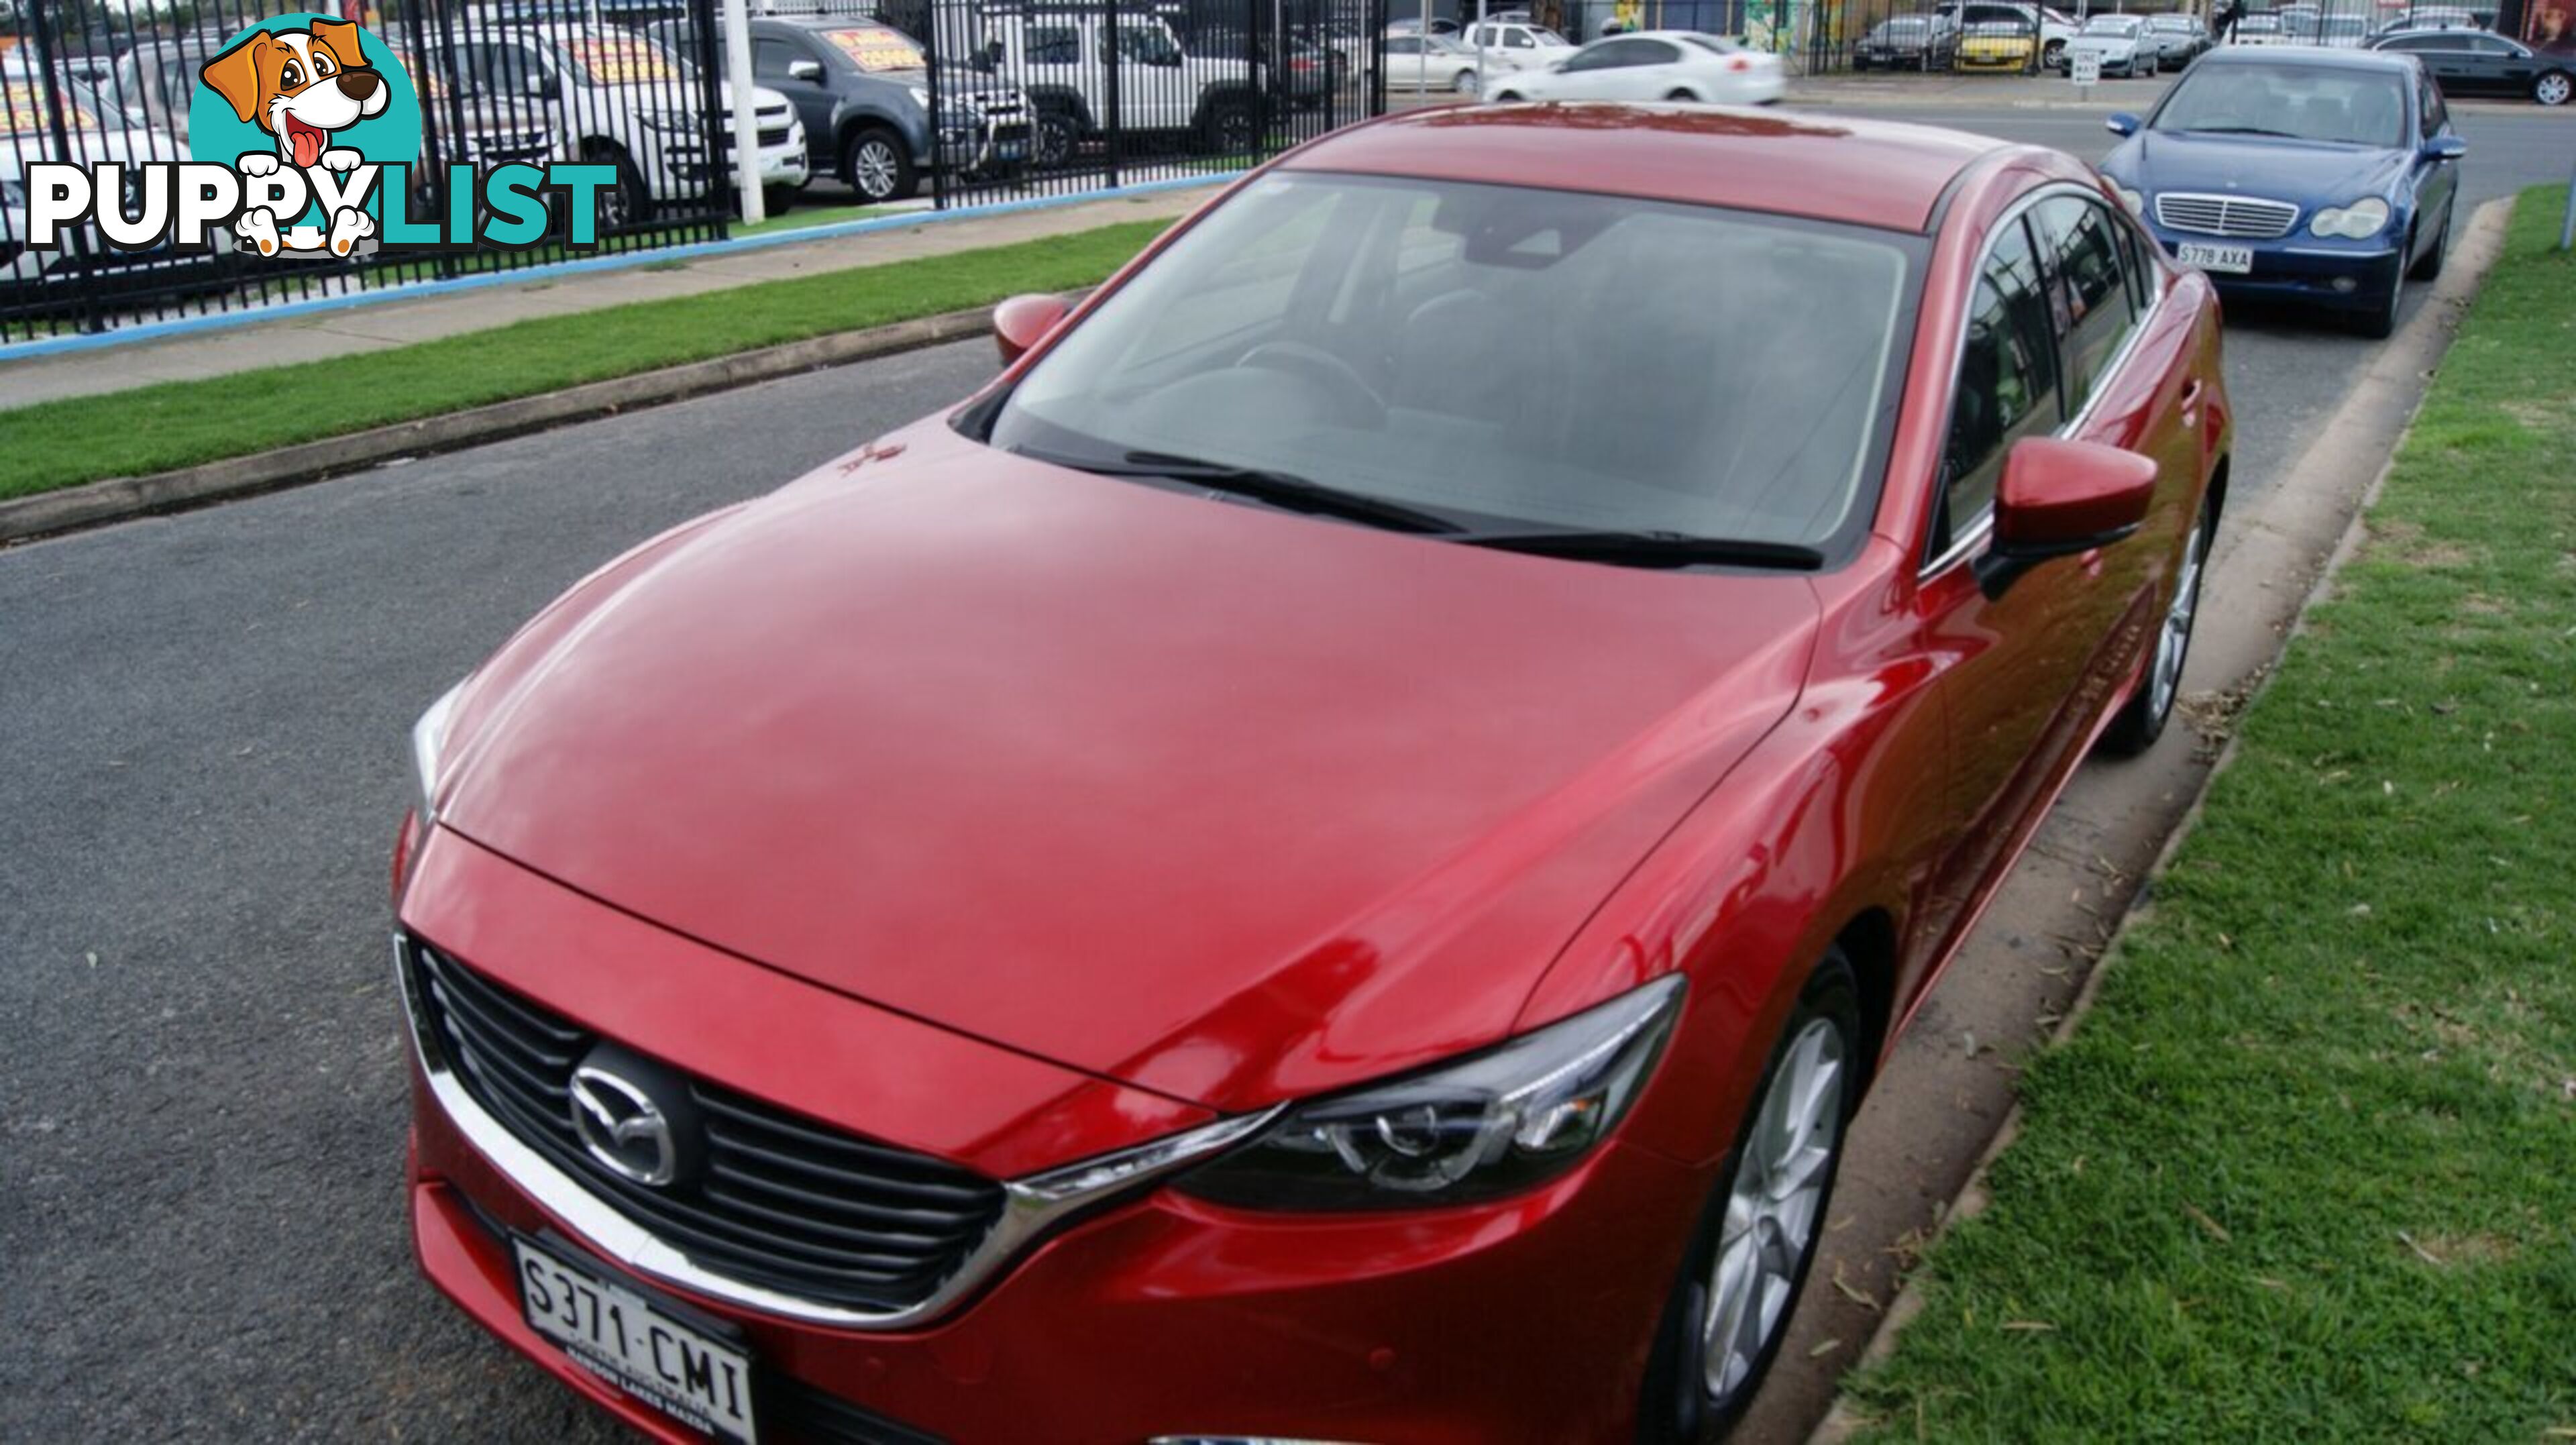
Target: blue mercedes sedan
{"type": "Point", "coordinates": [2325, 177]}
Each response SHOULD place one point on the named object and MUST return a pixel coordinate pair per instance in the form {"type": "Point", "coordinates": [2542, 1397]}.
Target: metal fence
{"type": "Point", "coordinates": [1056, 96]}
{"type": "Point", "coordinates": [90, 81]}
{"type": "Point", "coordinates": [953, 101]}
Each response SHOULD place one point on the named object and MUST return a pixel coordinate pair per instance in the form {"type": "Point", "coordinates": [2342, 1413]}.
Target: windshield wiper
{"type": "Point", "coordinates": [1652, 549]}
{"type": "Point", "coordinates": [1284, 489]}
{"type": "Point", "coordinates": [2241, 130]}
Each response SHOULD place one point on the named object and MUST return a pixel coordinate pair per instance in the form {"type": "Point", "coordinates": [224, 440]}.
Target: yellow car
{"type": "Point", "coordinates": [1997, 47]}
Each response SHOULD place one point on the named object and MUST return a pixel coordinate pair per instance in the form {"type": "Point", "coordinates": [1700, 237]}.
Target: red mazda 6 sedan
{"type": "Point", "coordinates": [1327, 858]}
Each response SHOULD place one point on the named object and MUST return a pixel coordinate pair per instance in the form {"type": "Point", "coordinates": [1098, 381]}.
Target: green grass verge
{"type": "Point", "coordinates": [176, 424]}
{"type": "Point", "coordinates": [2308, 1169]}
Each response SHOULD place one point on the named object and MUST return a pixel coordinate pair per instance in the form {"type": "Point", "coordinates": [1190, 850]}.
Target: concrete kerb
{"type": "Point", "coordinates": [122, 498]}
{"type": "Point", "coordinates": [2306, 529]}
{"type": "Point", "coordinates": [589, 265]}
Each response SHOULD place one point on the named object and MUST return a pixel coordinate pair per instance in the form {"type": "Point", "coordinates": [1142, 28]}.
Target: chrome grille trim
{"type": "Point", "coordinates": [1031, 1205]}
{"type": "Point", "coordinates": [2250, 218]}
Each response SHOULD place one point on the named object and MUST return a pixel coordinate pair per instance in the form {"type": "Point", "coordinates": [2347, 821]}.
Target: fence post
{"type": "Point", "coordinates": [1113, 126]}
{"type": "Point", "coordinates": [49, 75]}
{"type": "Point", "coordinates": [939, 159]}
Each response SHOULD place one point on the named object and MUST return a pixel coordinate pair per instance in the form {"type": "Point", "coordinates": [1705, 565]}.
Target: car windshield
{"type": "Point", "coordinates": [1905, 24]}
{"type": "Point", "coordinates": [2111, 25]}
{"type": "Point", "coordinates": [2257, 25]}
{"type": "Point", "coordinates": [2344, 25]}
{"type": "Point", "coordinates": [1506, 358]}
{"type": "Point", "coordinates": [2339, 104]}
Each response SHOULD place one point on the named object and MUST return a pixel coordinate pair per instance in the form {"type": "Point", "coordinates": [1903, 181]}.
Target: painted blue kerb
{"type": "Point", "coordinates": [252, 316]}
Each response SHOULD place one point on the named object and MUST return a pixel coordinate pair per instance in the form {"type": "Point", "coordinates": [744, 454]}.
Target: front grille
{"type": "Point", "coordinates": [785, 1202]}
{"type": "Point", "coordinates": [776, 137]}
{"type": "Point", "coordinates": [2249, 217]}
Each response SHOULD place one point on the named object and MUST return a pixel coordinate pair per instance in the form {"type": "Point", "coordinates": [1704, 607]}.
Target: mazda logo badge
{"type": "Point", "coordinates": [634, 1117]}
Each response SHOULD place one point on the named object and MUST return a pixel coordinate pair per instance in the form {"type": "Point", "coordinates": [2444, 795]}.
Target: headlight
{"type": "Point", "coordinates": [2360, 221]}
{"type": "Point", "coordinates": [920, 97]}
{"type": "Point", "coordinates": [1497, 1122]}
{"type": "Point", "coordinates": [668, 122]}
{"type": "Point", "coordinates": [428, 742]}
{"type": "Point", "coordinates": [2136, 201]}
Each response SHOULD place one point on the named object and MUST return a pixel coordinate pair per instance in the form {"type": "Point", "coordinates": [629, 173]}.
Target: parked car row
{"type": "Point", "coordinates": [1991, 35]}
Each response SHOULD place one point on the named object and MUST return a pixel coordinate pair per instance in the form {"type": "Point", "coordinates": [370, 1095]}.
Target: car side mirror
{"type": "Point", "coordinates": [809, 71]}
{"type": "Point", "coordinates": [2061, 497]}
{"type": "Point", "coordinates": [1024, 321]}
{"type": "Point", "coordinates": [2445, 148]}
{"type": "Point", "coordinates": [2121, 123]}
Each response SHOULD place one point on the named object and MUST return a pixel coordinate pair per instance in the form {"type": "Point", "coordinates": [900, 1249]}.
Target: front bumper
{"type": "Point", "coordinates": [1529, 1319]}
{"type": "Point", "coordinates": [2304, 269]}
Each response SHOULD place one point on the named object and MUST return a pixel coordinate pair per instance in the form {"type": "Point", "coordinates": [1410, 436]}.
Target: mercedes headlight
{"type": "Point", "coordinates": [428, 743]}
{"type": "Point", "coordinates": [2359, 221]}
{"type": "Point", "coordinates": [1494, 1123]}
{"type": "Point", "coordinates": [2136, 201]}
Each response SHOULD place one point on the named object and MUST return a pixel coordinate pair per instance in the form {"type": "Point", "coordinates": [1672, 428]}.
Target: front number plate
{"type": "Point", "coordinates": [2237, 259]}
{"type": "Point", "coordinates": [618, 1335]}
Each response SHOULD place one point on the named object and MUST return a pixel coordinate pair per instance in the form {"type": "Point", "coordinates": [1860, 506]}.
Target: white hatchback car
{"type": "Point", "coordinates": [1434, 62]}
{"type": "Point", "coordinates": [1651, 65]}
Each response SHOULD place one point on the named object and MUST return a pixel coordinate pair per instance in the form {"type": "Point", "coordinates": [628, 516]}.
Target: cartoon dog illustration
{"type": "Point", "coordinates": [300, 86]}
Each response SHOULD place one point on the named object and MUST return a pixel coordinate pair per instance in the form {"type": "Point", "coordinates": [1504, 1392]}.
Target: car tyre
{"type": "Point", "coordinates": [1227, 127]}
{"type": "Point", "coordinates": [779, 200]}
{"type": "Point", "coordinates": [2380, 321]}
{"type": "Point", "coordinates": [2053, 55]}
{"type": "Point", "coordinates": [2142, 719]}
{"type": "Point", "coordinates": [1508, 97]}
{"type": "Point", "coordinates": [878, 165]}
{"type": "Point", "coordinates": [2553, 88]}
{"type": "Point", "coordinates": [1465, 84]}
{"type": "Point", "coordinates": [626, 203]}
{"type": "Point", "coordinates": [2428, 266]}
{"type": "Point", "coordinates": [1753, 1248]}
{"type": "Point", "coordinates": [1056, 136]}
{"type": "Point", "coordinates": [1681, 95]}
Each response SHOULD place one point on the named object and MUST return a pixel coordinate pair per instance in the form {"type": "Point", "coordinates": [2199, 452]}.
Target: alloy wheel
{"type": "Point", "coordinates": [1773, 1206]}
{"type": "Point", "coordinates": [2173, 641]}
{"type": "Point", "coordinates": [2553, 89]}
{"type": "Point", "coordinates": [873, 168]}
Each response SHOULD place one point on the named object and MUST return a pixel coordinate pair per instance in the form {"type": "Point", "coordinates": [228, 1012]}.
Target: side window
{"type": "Point", "coordinates": [2088, 292]}
{"type": "Point", "coordinates": [1655, 52]}
{"type": "Point", "coordinates": [1518, 40]}
{"type": "Point", "coordinates": [2007, 384]}
{"type": "Point", "coordinates": [1613, 55]}
{"type": "Point", "coordinates": [2428, 101]}
{"type": "Point", "coordinates": [769, 57]}
{"type": "Point", "coordinates": [1054, 45]}
{"type": "Point", "coordinates": [1403, 45]}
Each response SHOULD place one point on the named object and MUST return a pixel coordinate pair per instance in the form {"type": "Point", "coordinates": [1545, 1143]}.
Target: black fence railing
{"type": "Point", "coordinates": [951, 101]}
{"type": "Point", "coordinates": [1044, 98]}
{"type": "Point", "coordinates": [536, 81]}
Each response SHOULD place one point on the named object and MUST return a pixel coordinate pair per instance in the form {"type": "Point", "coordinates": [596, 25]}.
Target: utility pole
{"type": "Point", "coordinates": [746, 123]}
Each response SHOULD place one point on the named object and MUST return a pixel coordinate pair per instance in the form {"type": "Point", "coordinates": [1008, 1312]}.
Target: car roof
{"type": "Point", "coordinates": [2321, 56]}
{"type": "Point", "coordinates": [1828, 167]}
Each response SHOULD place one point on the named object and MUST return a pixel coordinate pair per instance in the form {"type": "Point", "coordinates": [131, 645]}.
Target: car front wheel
{"type": "Point", "coordinates": [1465, 83]}
{"type": "Point", "coordinates": [1730, 1310]}
{"type": "Point", "coordinates": [874, 164]}
{"type": "Point", "coordinates": [2143, 719]}
{"type": "Point", "coordinates": [2553, 88]}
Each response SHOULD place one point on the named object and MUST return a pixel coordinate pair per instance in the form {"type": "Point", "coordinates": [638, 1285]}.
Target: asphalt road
{"type": "Point", "coordinates": [202, 758]}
